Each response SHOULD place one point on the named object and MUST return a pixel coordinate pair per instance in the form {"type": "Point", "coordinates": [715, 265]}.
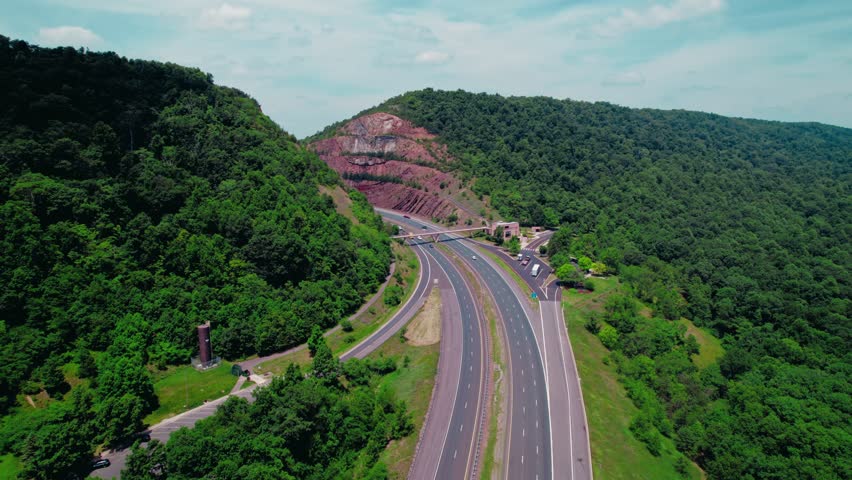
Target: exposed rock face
{"type": "Point", "coordinates": [394, 164]}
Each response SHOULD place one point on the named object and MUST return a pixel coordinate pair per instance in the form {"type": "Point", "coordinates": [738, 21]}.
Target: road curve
{"type": "Point", "coordinates": [450, 449]}
{"type": "Point", "coordinates": [528, 428]}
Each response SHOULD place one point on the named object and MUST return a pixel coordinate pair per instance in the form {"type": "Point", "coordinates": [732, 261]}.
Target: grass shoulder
{"type": "Point", "coordinates": [616, 454]}
{"type": "Point", "coordinates": [412, 382]}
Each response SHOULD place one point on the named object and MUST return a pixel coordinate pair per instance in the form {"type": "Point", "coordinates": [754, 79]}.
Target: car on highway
{"type": "Point", "coordinates": [405, 216]}
{"type": "Point", "coordinates": [473, 257]}
{"type": "Point", "coordinates": [520, 256]}
{"type": "Point", "coordinates": [526, 260]}
{"type": "Point", "coordinates": [424, 227]}
{"type": "Point", "coordinates": [100, 463]}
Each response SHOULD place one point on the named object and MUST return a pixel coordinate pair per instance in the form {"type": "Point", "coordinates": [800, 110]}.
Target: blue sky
{"type": "Point", "coordinates": [313, 62]}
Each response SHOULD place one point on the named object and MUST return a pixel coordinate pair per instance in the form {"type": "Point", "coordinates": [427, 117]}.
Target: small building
{"type": "Point", "coordinates": [510, 229]}
{"type": "Point", "coordinates": [536, 229]}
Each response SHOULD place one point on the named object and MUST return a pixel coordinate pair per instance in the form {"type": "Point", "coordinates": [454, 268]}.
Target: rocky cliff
{"type": "Point", "coordinates": [396, 165]}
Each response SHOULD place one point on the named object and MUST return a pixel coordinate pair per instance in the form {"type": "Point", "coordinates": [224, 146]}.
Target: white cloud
{"type": "Point", "coordinates": [432, 57]}
{"type": "Point", "coordinates": [225, 17]}
{"type": "Point", "coordinates": [657, 15]}
{"type": "Point", "coordinates": [625, 79]}
{"type": "Point", "coordinates": [68, 35]}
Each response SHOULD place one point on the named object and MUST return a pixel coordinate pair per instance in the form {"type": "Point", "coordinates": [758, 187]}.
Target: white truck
{"type": "Point", "coordinates": [534, 271]}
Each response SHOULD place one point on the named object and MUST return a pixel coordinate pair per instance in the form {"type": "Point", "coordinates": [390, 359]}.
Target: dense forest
{"type": "Point", "coordinates": [329, 422]}
{"type": "Point", "coordinates": [741, 225]}
{"type": "Point", "coordinates": [138, 200]}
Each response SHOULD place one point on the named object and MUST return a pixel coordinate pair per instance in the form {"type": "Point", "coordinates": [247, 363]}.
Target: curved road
{"type": "Point", "coordinates": [528, 429]}
{"type": "Point", "coordinates": [449, 446]}
{"type": "Point", "coordinates": [568, 437]}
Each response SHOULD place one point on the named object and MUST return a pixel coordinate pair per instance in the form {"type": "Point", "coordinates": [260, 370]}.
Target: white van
{"type": "Point", "coordinates": [534, 271]}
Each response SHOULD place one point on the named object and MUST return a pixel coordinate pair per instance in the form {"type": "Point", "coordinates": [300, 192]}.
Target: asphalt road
{"type": "Point", "coordinates": [528, 431]}
{"type": "Point", "coordinates": [451, 449]}
{"type": "Point", "coordinates": [572, 455]}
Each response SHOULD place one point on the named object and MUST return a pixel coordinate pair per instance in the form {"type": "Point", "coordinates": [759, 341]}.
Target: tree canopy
{"type": "Point", "coordinates": [137, 200]}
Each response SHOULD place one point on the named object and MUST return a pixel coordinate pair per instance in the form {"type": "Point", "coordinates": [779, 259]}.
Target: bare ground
{"type": "Point", "coordinates": [425, 329]}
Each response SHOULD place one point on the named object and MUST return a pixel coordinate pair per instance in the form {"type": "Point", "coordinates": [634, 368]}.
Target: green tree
{"type": "Point", "coordinates": [514, 245]}
{"type": "Point", "coordinates": [325, 365]}
{"type": "Point", "coordinates": [608, 337]}
{"type": "Point", "coordinates": [568, 275]}
{"type": "Point", "coordinates": [315, 340]}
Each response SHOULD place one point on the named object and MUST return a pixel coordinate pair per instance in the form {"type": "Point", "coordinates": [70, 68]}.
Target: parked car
{"type": "Point", "coordinates": [100, 463]}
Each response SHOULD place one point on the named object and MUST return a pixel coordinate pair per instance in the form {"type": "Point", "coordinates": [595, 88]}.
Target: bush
{"type": "Point", "coordinates": [542, 249]}
{"type": "Point", "coordinates": [393, 295]}
{"type": "Point", "coordinates": [346, 325]}
{"type": "Point", "coordinates": [593, 325]}
{"type": "Point", "coordinates": [590, 284]}
{"type": "Point", "coordinates": [609, 337]}
{"type": "Point", "coordinates": [644, 431]}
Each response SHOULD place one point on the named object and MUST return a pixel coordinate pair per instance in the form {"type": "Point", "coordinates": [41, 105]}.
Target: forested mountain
{"type": "Point", "coordinates": [741, 225]}
{"type": "Point", "coordinates": [138, 200]}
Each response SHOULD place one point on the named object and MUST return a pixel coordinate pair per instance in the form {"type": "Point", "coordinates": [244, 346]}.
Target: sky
{"type": "Point", "coordinates": [310, 63]}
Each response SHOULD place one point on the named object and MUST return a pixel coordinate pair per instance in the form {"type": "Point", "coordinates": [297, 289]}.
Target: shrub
{"type": "Point", "coordinates": [346, 325]}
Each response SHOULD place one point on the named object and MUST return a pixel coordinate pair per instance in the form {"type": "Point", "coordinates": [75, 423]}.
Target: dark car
{"type": "Point", "coordinates": [144, 437]}
{"type": "Point", "coordinates": [424, 227]}
{"type": "Point", "coordinates": [100, 463]}
{"type": "Point", "coordinates": [405, 216]}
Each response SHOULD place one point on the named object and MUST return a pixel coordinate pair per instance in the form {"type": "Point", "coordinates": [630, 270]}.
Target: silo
{"type": "Point", "coordinates": [206, 352]}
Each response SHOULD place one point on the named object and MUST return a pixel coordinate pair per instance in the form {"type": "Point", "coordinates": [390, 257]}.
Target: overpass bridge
{"type": "Point", "coordinates": [435, 235]}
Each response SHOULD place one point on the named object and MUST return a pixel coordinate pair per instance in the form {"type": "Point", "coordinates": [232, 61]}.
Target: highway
{"type": "Point", "coordinates": [449, 446]}
{"type": "Point", "coordinates": [528, 431]}
{"type": "Point", "coordinates": [568, 417]}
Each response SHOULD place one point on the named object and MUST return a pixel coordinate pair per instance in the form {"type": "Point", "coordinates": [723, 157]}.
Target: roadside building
{"type": "Point", "coordinates": [510, 229]}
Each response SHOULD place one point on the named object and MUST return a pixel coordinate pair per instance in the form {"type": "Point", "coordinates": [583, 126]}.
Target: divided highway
{"type": "Point", "coordinates": [528, 430]}
{"type": "Point", "coordinates": [449, 446]}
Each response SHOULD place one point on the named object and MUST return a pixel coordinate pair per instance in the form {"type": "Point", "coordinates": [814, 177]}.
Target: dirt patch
{"type": "Point", "coordinates": [425, 329]}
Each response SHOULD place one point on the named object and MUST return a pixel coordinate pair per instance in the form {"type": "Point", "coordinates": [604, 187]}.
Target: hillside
{"type": "Point", "coordinates": [398, 166]}
{"type": "Point", "coordinates": [741, 225]}
{"type": "Point", "coordinates": [137, 200]}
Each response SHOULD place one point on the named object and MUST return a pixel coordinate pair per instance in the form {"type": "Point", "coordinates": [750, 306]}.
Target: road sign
{"type": "Point", "coordinates": [534, 295]}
